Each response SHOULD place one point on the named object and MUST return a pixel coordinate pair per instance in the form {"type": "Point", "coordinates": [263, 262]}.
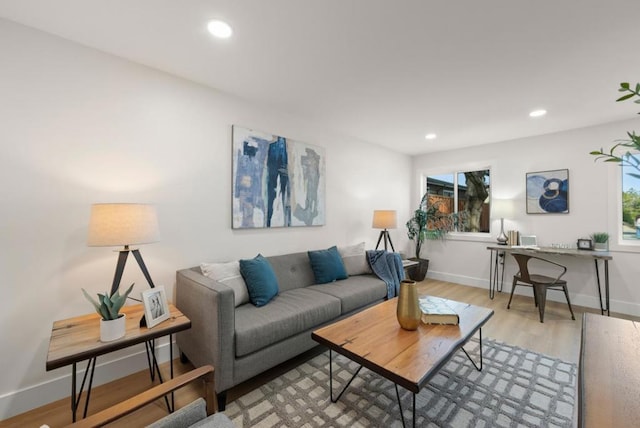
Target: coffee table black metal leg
{"type": "Point", "coordinates": [413, 411]}
{"type": "Point", "coordinates": [469, 356]}
{"type": "Point", "coordinates": [331, 379]}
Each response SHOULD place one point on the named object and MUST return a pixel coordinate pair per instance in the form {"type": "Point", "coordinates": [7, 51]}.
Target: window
{"type": "Point", "coordinates": [630, 204]}
{"type": "Point", "coordinates": [464, 197]}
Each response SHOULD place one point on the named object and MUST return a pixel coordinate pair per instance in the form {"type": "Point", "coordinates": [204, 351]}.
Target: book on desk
{"type": "Point", "coordinates": [435, 310]}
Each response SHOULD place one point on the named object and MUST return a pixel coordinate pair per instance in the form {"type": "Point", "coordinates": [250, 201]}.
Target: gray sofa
{"type": "Point", "coordinates": [244, 341]}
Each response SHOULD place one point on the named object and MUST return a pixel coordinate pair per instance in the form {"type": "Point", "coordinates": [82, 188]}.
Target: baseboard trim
{"type": "Point", "coordinates": [23, 400]}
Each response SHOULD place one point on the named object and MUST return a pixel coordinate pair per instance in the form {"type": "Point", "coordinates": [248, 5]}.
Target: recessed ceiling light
{"type": "Point", "coordinates": [538, 113]}
{"type": "Point", "coordinates": [431, 136]}
{"type": "Point", "coordinates": [219, 29]}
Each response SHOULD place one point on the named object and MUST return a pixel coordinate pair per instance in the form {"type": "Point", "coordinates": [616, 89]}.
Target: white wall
{"type": "Point", "coordinates": [80, 127]}
{"type": "Point", "coordinates": [592, 201]}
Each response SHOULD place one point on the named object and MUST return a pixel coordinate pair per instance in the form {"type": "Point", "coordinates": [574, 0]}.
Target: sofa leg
{"type": "Point", "coordinates": [222, 400]}
{"type": "Point", "coordinates": [183, 358]}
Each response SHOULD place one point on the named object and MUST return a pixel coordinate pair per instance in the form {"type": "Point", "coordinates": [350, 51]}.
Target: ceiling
{"type": "Point", "coordinates": [383, 71]}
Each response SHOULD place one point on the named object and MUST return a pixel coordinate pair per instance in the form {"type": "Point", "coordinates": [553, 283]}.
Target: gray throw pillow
{"type": "Point", "coordinates": [355, 259]}
{"type": "Point", "coordinates": [228, 274]}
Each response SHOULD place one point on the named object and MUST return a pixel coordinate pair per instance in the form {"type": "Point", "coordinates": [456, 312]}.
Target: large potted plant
{"type": "Point", "coordinates": [633, 143]}
{"type": "Point", "coordinates": [112, 323]}
{"type": "Point", "coordinates": [427, 222]}
{"type": "Point", "coordinates": [624, 153]}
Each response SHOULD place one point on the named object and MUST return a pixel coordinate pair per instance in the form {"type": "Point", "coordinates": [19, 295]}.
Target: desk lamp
{"type": "Point", "coordinates": [385, 219]}
{"type": "Point", "coordinates": [502, 208]}
{"type": "Point", "coordinates": [112, 225]}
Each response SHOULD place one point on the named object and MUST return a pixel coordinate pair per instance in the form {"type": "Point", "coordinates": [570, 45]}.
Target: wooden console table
{"type": "Point", "coordinates": [78, 339]}
{"type": "Point", "coordinates": [609, 376]}
{"type": "Point", "coordinates": [499, 251]}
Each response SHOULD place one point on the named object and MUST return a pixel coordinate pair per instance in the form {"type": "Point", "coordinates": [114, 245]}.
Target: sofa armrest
{"type": "Point", "coordinates": [210, 340]}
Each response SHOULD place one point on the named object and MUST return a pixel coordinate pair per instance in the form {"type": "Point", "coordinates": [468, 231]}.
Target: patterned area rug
{"type": "Point", "coordinates": [516, 388]}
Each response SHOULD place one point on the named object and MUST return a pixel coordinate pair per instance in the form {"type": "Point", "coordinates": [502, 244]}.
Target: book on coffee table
{"type": "Point", "coordinates": [435, 310]}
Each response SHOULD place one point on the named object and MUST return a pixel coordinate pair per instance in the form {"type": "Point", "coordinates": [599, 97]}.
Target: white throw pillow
{"type": "Point", "coordinates": [355, 259]}
{"type": "Point", "coordinates": [229, 275]}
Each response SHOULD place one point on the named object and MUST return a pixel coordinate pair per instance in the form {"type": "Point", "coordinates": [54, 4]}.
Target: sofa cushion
{"type": "Point", "coordinates": [229, 275]}
{"type": "Point", "coordinates": [354, 258]}
{"type": "Point", "coordinates": [292, 270]}
{"type": "Point", "coordinates": [354, 292]}
{"type": "Point", "coordinates": [260, 279]}
{"type": "Point", "coordinates": [327, 265]}
{"type": "Point", "coordinates": [290, 313]}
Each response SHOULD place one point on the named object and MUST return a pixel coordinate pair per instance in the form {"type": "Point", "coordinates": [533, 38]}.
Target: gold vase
{"type": "Point", "coordinates": [408, 309]}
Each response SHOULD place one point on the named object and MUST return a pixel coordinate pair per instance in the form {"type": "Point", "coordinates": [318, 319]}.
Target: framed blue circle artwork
{"type": "Point", "coordinates": [548, 192]}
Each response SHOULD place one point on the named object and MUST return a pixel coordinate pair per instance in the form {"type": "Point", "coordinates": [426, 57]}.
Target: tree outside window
{"type": "Point", "coordinates": [630, 204]}
{"type": "Point", "coordinates": [466, 195]}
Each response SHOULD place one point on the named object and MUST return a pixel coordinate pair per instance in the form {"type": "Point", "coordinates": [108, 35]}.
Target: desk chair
{"type": "Point", "coordinates": [539, 283]}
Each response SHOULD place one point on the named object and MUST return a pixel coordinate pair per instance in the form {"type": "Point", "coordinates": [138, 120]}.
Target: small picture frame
{"type": "Point", "coordinates": [585, 244]}
{"type": "Point", "coordinates": [156, 307]}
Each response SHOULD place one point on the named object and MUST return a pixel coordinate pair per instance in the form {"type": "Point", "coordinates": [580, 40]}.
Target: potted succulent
{"type": "Point", "coordinates": [418, 231]}
{"type": "Point", "coordinates": [112, 323]}
{"type": "Point", "coordinates": [600, 241]}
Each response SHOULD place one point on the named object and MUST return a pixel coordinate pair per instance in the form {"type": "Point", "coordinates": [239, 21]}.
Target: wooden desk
{"type": "Point", "coordinates": [496, 279]}
{"type": "Point", "coordinates": [609, 374]}
{"type": "Point", "coordinates": [78, 339]}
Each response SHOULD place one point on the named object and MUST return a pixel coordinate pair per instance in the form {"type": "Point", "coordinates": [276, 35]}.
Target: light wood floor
{"type": "Point", "coordinates": [559, 337]}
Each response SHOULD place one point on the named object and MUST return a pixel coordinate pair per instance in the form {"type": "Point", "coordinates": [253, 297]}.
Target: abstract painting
{"type": "Point", "coordinates": [277, 182]}
{"type": "Point", "coordinates": [548, 192]}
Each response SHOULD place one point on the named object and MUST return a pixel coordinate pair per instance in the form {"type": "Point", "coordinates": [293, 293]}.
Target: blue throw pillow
{"type": "Point", "coordinates": [261, 281]}
{"type": "Point", "coordinates": [327, 265]}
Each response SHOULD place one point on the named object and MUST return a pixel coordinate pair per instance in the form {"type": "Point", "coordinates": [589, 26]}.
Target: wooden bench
{"type": "Point", "coordinates": [609, 376]}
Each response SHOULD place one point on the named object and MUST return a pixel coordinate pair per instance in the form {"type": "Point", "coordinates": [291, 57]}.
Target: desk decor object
{"type": "Point", "coordinates": [548, 192]}
{"type": "Point", "coordinates": [277, 181]}
{"type": "Point", "coordinates": [156, 307]}
{"type": "Point", "coordinates": [513, 237]}
{"type": "Point", "coordinates": [112, 322]}
{"type": "Point", "coordinates": [502, 208]}
{"type": "Point", "coordinates": [408, 311]}
{"type": "Point", "coordinates": [435, 310]}
{"type": "Point", "coordinates": [600, 241]}
{"type": "Point", "coordinates": [585, 244]}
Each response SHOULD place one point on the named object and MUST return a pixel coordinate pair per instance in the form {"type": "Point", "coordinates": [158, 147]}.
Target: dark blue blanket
{"type": "Point", "coordinates": [388, 267]}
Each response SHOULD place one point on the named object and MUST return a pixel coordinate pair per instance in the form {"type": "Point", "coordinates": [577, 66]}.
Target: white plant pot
{"type": "Point", "coordinates": [601, 246]}
{"type": "Point", "coordinates": [112, 329]}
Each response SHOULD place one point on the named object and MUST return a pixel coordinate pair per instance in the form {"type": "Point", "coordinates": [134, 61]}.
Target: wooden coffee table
{"type": "Point", "coordinates": [374, 339]}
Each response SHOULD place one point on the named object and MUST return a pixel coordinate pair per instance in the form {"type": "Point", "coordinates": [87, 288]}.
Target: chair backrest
{"type": "Point", "coordinates": [523, 261]}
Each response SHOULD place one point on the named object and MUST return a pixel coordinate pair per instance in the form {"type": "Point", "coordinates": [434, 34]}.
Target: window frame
{"type": "Point", "coordinates": [457, 235]}
{"type": "Point", "coordinates": [616, 242]}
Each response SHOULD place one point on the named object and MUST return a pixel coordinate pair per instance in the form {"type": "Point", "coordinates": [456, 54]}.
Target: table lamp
{"type": "Point", "coordinates": [112, 225]}
{"type": "Point", "coordinates": [385, 219]}
{"type": "Point", "coordinates": [502, 208]}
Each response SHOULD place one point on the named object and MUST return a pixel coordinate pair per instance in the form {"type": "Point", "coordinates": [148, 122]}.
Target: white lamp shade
{"type": "Point", "coordinates": [385, 219]}
{"type": "Point", "coordinates": [122, 224]}
{"type": "Point", "coordinates": [502, 208]}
